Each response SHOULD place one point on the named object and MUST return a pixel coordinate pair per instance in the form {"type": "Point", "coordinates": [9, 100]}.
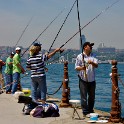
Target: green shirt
{"type": "Point", "coordinates": [16, 60]}
{"type": "Point", "coordinates": [9, 68]}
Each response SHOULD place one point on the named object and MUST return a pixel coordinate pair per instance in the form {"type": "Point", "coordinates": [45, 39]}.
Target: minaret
{"type": "Point", "coordinates": [83, 41]}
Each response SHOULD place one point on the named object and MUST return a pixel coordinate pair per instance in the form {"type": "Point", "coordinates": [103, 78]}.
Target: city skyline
{"type": "Point", "coordinates": [15, 15]}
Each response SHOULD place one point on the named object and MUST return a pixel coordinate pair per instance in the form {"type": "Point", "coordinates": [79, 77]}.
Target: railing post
{"type": "Point", "coordinates": [66, 89]}
{"type": "Point", "coordinates": [116, 106]}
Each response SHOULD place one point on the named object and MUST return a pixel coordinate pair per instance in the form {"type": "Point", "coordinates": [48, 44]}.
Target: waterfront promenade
{"type": "Point", "coordinates": [11, 112]}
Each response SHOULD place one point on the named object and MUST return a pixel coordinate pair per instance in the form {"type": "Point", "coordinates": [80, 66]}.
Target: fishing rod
{"type": "Point", "coordinates": [84, 27]}
{"type": "Point", "coordinates": [90, 22]}
{"type": "Point", "coordinates": [44, 30]}
{"type": "Point", "coordinates": [24, 30]}
{"type": "Point", "coordinates": [79, 22]}
{"type": "Point", "coordinates": [85, 75]}
{"type": "Point", "coordinates": [61, 26]}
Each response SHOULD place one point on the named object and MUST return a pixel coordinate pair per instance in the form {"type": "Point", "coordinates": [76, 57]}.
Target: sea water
{"type": "Point", "coordinates": [103, 99]}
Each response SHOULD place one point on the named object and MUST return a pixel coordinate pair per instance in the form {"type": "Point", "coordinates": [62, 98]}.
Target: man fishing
{"type": "Point", "coordinates": [17, 69]}
{"type": "Point", "coordinates": [86, 64]}
{"type": "Point", "coordinates": [36, 63]}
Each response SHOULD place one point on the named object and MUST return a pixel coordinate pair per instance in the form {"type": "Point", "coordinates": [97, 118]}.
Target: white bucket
{"type": "Point", "coordinates": [94, 116]}
{"type": "Point", "coordinates": [17, 94]}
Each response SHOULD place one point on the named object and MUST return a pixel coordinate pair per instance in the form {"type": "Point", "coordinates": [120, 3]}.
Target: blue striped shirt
{"type": "Point", "coordinates": [36, 64]}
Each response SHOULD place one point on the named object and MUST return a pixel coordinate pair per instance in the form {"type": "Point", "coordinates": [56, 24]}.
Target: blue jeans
{"type": "Point", "coordinates": [39, 88]}
{"type": "Point", "coordinates": [16, 77]}
{"type": "Point", "coordinates": [9, 81]}
{"type": "Point", "coordinates": [87, 92]}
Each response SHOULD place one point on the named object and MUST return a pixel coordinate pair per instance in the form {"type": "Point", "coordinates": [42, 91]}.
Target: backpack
{"type": "Point", "coordinates": [45, 110]}
{"type": "Point", "coordinates": [38, 112]}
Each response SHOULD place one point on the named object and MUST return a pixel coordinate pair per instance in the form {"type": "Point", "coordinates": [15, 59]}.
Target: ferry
{"type": "Point", "coordinates": [103, 62]}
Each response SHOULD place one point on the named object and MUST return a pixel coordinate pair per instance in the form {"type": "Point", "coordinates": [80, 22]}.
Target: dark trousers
{"type": "Point", "coordinates": [87, 92]}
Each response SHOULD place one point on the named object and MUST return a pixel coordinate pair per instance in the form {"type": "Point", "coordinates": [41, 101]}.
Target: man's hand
{"type": "Point", "coordinates": [23, 71]}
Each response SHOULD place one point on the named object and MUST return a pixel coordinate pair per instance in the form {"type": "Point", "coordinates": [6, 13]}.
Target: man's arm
{"type": "Point", "coordinates": [53, 53]}
{"type": "Point", "coordinates": [22, 69]}
{"type": "Point", "coordinates": [79, 68]}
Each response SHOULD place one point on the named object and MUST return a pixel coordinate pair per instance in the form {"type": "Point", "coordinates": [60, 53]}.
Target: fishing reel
{"type": "Point", "coordinates": [61, 51]}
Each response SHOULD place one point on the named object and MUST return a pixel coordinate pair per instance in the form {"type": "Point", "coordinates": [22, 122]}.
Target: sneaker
{"type": "Point", "coordinates": [86, 115]}
{"type": "Point", "coordinates": [8, 92]}
{"type": "Point", "coordinates": [1, 91]}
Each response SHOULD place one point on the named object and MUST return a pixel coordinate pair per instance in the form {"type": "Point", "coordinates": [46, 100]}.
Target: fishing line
{"type": "Point", "coordinates": [24, 30]}
{"type": "Point", "coordinates": [44, 30]}
{"type": "Point", "coordinates": [14, 81]}
{"type": "Point", "coordinates": [90, 22]}
{"type": "Point", "coordinates": [49, 62]}
{"type": "Point", "coordinates": [61, 26]}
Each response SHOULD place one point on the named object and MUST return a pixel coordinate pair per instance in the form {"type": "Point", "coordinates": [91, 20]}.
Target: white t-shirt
{"type": "Point", "coordinates": [90, 70]}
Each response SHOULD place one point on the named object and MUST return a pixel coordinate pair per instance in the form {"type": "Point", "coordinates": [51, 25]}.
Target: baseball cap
{"type": "Point", "coordinates": [12, 53]}
{"type": "Point", "coordinates": [87, 43]}
{"type": "Point", "coordinates": [18, 48]}
{"type": "Point", "coordinates": [37, 44]}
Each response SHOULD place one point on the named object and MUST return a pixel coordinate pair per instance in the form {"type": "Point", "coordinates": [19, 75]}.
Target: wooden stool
{"type": "Point", "coordinates": [75, 105]}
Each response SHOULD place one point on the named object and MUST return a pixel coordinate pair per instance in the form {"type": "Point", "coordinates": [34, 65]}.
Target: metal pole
{"type": "Point", "coordinates": [116, 106]}
{"type": "Point", "coordinates": [66, 89]}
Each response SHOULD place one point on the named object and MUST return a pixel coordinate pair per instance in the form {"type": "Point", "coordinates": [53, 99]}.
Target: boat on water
{"type": "Point", "coordinates": [103, 62]}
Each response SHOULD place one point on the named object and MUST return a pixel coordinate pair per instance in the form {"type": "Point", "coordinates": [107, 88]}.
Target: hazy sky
{"type": "Point", "coordinates": [108, 28]}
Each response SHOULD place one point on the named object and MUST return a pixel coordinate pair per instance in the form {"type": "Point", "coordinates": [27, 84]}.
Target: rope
{"type": "Point", "coordinates": [116, 88]}
{"type": "Point", "coordinates": [121, 81]}
{"type": "Point", "coordinates": [55, 91]}
{"type": "Point", "coordinates": [117, 92]}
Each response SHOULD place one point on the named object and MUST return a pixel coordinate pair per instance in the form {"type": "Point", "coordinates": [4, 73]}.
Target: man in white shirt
{"type": "Point", "coordinates": [86, 64]}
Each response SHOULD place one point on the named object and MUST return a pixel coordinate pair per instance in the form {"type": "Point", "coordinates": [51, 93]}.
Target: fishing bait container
{"type": "Point", "coordinates": [26, 91]}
